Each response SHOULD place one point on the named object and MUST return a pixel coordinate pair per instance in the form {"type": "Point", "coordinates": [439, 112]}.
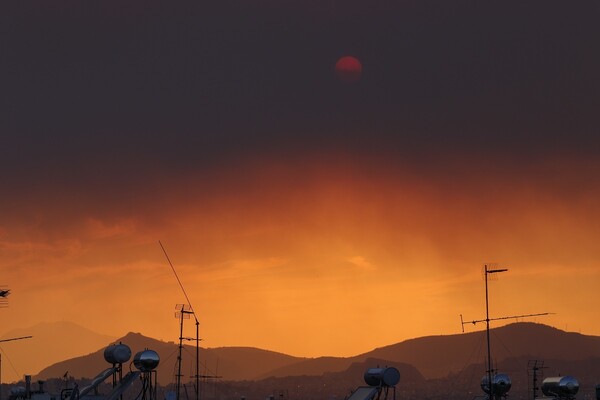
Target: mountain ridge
{"type": "Point", "coordinates": [433, 356]}
{"type": "Point", "coordinates": [437, 356]}
{"type": "Point", "coordinates": [51, 342]}
{"type": "Point", "coordinates": [236, 362]}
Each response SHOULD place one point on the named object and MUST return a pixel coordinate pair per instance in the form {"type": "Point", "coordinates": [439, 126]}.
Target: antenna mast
{"type": "Point", "coordinates": [490, 270]}
{"type": "Point", "coordinates": [183, 311]}
{"type": "Point", "coordinates": [4, 297]}
{"type": "Point", "coordinates": [9, 340]}
{"type": "Point", "coordinates": [487, 325]}
{"type": "Point", "coordinates": [4, 292]}
{"type": "Point", "coordinates": [536, 367]}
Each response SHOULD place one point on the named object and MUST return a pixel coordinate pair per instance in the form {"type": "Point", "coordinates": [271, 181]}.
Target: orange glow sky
{"type": "Point", "coordinates": [303, 214]}
{"type": "Point", "coordinates": [329, 257]}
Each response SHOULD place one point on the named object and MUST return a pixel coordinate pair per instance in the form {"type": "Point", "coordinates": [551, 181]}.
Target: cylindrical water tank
{"type": "Point", "coordinates": [500, 384]}
{"type": "Point", "coordinates": [146, 360]}
{"type": "Point", "coordinates": [561, 386]}
{"type": "Point", "coordinates": [117, 353]}
{"type": "Point", "coordinates": [388, 376]}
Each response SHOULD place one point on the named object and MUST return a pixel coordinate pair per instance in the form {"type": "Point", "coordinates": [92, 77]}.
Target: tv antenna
{"type": "Point", "coordinates": [4, 297]}
{"type": "Point", "coordinates": [9, 340]}
{"type": "Point", "coordinates": [463, 323]}
{"type": "Point", "coordinates": [184, 312]}
{"type": "Point", "coordinates": [536, 367]}
{"type": "Point", "coordinates": [490, 271]}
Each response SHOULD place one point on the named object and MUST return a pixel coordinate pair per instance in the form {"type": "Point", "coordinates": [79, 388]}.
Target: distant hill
{"type": "Point", "coordinates": [232, 363]}
{"type": "Point", "coordinates": [437, 356]}
{"type": "Point", "coordinates": [431, 357]}
{"type": "Point", "coordinates": [29, 356]}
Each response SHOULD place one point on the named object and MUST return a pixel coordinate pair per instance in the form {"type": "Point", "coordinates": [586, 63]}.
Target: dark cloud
{"type": "Point", "coordinates": [220, 128]}
{"type": "Point", "coordinates": [117, 89]}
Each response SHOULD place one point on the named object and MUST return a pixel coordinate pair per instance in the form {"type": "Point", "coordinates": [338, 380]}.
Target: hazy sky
{"type": "Point", "coordinates": [303, 214]}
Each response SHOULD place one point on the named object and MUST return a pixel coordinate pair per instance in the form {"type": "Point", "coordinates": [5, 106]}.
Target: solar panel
{"type": "Point", "coordinates": [364, 393]}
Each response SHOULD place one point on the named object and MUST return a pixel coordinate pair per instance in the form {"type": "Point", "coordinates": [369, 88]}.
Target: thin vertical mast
{"type": "Point", "coordinates": [487, 327]}
{"type": "Point", "coordinates": [181, 333]}
{"type": "Point", "coordinates": [487, 331]}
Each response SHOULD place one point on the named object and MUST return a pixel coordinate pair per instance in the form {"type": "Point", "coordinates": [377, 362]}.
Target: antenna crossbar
{"type": "Point", "coordinates": [476, 321]}
{"type": "Point", "coordinates": [16, 338]}
{"type": "Point", "coordinates": [487, 273]}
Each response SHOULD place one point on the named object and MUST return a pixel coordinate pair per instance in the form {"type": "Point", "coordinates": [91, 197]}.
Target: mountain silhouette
{"type": "Point", "coordinates": [437, 356]}
{"type": "Point", "coordinates": [431, 357]}
{"type": "Point", "coordinates": [31, 355]}
{"type": "Point", "coordinates": [235, 363]}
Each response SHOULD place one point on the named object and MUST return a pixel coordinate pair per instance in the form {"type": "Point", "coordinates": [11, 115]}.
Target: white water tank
{"type": "Point", "coordinates": [117, 353]}
{"type": "Point", "coordinates": [146, 360]}
{"type": "Point", "coordinates": [560, 386]}
{"type": "Point", "coordinates": [501, 384]}
{"type": "Point", "coordinates": [388, 376]}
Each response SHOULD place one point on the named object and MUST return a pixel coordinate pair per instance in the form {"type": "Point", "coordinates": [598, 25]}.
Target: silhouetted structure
{"type": "Point", "coordinates": [380, 380]}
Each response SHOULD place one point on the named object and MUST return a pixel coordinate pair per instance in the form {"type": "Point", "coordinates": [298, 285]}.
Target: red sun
{"type": "Point", "coordinates": [348, 69]}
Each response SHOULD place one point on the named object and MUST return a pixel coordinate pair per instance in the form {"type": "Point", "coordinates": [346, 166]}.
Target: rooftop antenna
{"type": "Point", "coordinates": [4, 297]}
{"type": "Point", "coordinates": [487, 325]}
{"type": "Point", "coordinates": [489, 270]}
{"type": "Point", "coordinates": [536, 367]}
{"type": "Point", "coordinates": [4, 292]}
{"type": "Point", "coordinates": [185, 310]}
{"type": "Point", "coordinates": [9, 340]}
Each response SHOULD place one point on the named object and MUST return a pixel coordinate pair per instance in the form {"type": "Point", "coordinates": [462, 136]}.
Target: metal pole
{"type": "Point", "coordinates": [487, 329]}
{"type": "Point", "coordinates": [197, 360]}
{"type": "Point", "coordinates": [487, 323]}
{"type": "Point", "coordinates": [534, 381]}
{"type": "Point", "coordinates": [179, 356]}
